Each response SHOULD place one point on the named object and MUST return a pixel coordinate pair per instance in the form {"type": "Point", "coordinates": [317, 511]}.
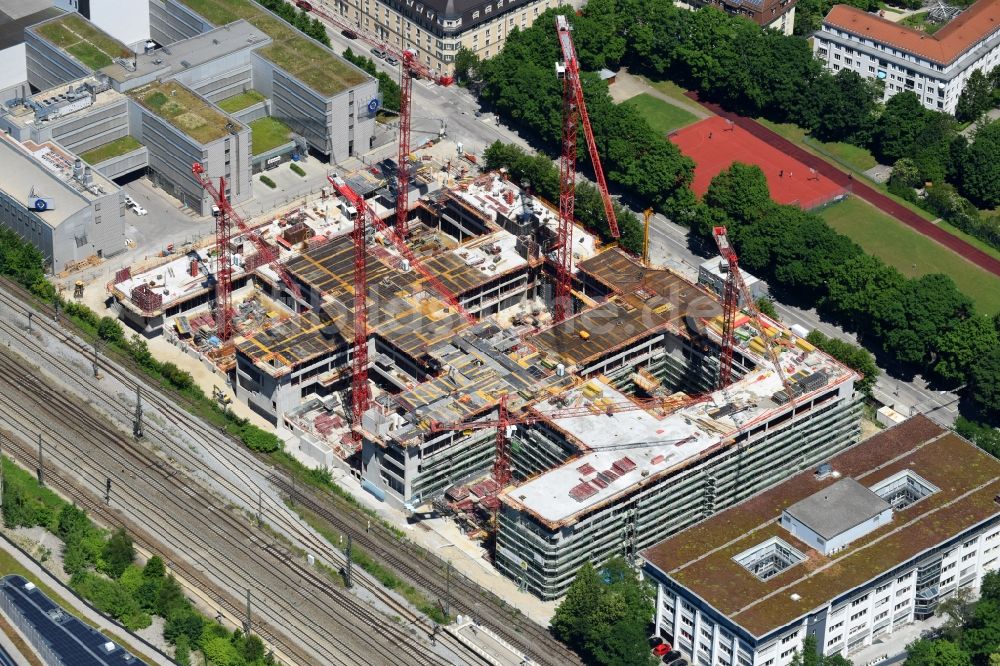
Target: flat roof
{"type": "Point", "coordinates": [83, 40]}
{"type": "Point", "coordinates": [401, 308]}
{"type": "Point", "coordinates": [16, 16]}
{"type": "Point", "coordinates": [699, 558]}
{"type": "Point", "coordinates": [48, 169]}
{"type": "Point", "coordinates": [185, 110]}
{"type": "Point", "coordinates": [835, 509]}
{"type": "Point", "coordinates": [57, 103]}
{"type": "Point", "coordinates": [477, 262]}
{"type": "Point", "coordinates": [962, 33]}
{"type": "Point", "coordinates": [72, 641]}
{"type": "Point", "coordinates": [304, 58]}
{"type": "Point", "coordinates": [197, 50]}
{"type": "Point", "coordinates": [643, 301]}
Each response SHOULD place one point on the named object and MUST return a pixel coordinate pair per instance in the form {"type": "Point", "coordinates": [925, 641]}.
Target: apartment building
{"type": "Point", "coordinates": [849, 551]}
{"type": "Point", "coordinates": [437, 29]}
{"type": "Point", "coordinates": [934, 67]}
{"type": "Point", "coordinates": [774, 14]}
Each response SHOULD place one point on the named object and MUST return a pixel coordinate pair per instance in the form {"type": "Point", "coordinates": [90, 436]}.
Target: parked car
{"type": "Point", "coordinates": [303, 5]}
{"type": "Point", "coordinates": [139, 210]}
{"type": "Point", "coordinates": [377, 52]}
{"type": "Point", "coordinates": [391, 60]}
{"type": "Point", "coordinates": [661, 649]}
{"type": "Point", "coordinates": [681, 662]}
{"type": "Point", "coordinates": [350, 34]}
{"type": "Point", "coordinates": [654, 641]}
{"type": "Point", "coordinates": [671, 656]}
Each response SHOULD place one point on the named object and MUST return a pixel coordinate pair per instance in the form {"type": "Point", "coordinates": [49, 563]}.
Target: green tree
{"type": "Point", "coordinates": [466, 65]}
{"type": "Point", "coordinates": [118, 553]}
{"type": "Point", "coordinates": [854, 357]}
{"type": "Point", "coordinates": [984, 382]}
{"type": "Point", "coordinates": [184, 621]}
{"type": "Point", "coordinates": [766, 307]}
{"type": "Point", "coordinates": [109, 330]}
{"type": "Point", "coordinates": [572, 620]}
{"type": "Point", "coordinates": [926, 652]}
{"type": "Point", "coordinates": [957, 609]}
{"type": "Point", "coordinates": [171, 597]}
{"type": "Point", "coordinates": [960, 349]}
{"type": "Point", "coordinates": [154, 568]}
{"type": "Point", "coordinates": [981, 171]}
{"type": "Point", "coordinates": [905, 174]}
{"type": "Point", "coordinates": [741, 192]}
{"type": "Point", "coordinates": [897, 129]}
{"type": "Point", "coordinates": [845, 105]}
{"type": "Point", "coordinates": [990, 586]}
{"type": "Point", "coordinates": [976, 97]}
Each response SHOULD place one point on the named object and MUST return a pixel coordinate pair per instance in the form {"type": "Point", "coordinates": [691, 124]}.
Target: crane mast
{"type": "Point", "coordinates": [403, 173]}
{"type": "Point", "coordinates": [735, 287]}
{"type": "Point", "coordinates": [574, 112]}
{"type": "Point", "coordinates": [224, 219]}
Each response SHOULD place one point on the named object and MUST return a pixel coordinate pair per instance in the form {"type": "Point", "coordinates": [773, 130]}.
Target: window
{"type": "Point", "coordinates": [859, 614]}
{"type": "Point", "coordinates": [903, 591]}
{"type": "Point", "coordinates": [902, 604]}
{"type": "Point", "coordinates": [790, 637]}
{"type": "Point", "coordinates": [858, 602]}
{"type": "Point", "coordinates": [835, 639]}
{"type": "Point", "coordinates": [968, 556]}
{"type": "Point", "coordinates": [787, 652]}
{"type": "Point", "coordinates": [882, 588]}
{"type": "Point", "coordinates": [836, 626]}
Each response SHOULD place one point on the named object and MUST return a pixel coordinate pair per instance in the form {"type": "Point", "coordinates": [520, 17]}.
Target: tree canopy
{"type": "Point", "coordinates": [605, 614]}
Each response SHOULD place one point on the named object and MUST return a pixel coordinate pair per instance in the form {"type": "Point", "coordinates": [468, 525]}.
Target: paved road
{"type": "Point", "coordinates": [432, 103]}
{"type": "Point", "coordinates": [668, 246]}
{"type": "Point", "coordinates": [859, 188]}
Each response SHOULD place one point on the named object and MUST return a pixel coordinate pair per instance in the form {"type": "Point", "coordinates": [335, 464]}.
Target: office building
{"type": "Point", "coordinates": [849, 551]}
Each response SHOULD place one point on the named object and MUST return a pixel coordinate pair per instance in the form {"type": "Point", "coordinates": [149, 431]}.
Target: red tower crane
{"type": "Point", "coordinates": [502, 473]}
{"type": "Point", "coordinates": [360, 392]}
{"type": "Point", "coordinates": [574, 109]}
{"type": "Point", "coordinates": [224, 219]}
{"type": "Point", "coordinates": [406, 75]}
{"type": "Point", "coordinates": [735, 287]}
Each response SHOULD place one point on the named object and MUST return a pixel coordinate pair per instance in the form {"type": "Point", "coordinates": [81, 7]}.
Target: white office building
{"type": "Point", "coordinates": [848, 552]}
{"type": "Point", "coordinates": [935, 67]}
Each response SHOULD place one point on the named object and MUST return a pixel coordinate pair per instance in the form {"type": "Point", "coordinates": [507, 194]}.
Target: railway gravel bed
{"type": "Point", "coordinates": [229, 468]}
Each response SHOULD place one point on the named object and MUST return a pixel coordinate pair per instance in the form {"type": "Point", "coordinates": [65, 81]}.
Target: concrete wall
{"type": "Point", "coordinates": [124, 164]}
{"type": "Point", "coordinates": [128, 22]}
{"type": "Point", "coordinates": [86, 129]}
{"type": "Point", "coordinates": [172, 152]}
{"type": "Point", "coordinates": [170, 22]}
{"type": "Point", "coordinates": [47, 65]}
{"type": "Point", "coordinates": [13, 68]}
{"type": "Point", "coordinates": [221, 78]}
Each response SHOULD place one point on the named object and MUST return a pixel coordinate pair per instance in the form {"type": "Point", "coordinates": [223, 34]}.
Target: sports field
{"type": "Point", "coordinates": [910, 251]}
{"type": "Point", "coordinates": [714, 145]}
{"type": "Point", "coordinates": [661, 116]}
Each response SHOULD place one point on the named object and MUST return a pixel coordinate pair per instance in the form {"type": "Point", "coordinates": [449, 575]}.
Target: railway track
{"type": "Point", "coordinates": [233, 554]}
{"type": "Point", "coordinates": [247, 476]}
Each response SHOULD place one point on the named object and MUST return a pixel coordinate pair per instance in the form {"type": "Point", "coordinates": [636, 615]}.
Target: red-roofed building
{"type": "Point", "coordinates": [935, 67]}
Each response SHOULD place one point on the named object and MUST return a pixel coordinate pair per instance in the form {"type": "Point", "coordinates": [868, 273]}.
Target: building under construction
{"type": "Point", "coordinates": [617, 436]}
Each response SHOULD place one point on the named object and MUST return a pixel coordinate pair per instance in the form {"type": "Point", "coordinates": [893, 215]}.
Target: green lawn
{"type": "Point", "coordinates": [672, 90]}
{"type": "Point", "coordinates": [241, 101]}
{"type": "Point", "coordinates": [185, 110]}
{"type": "Point", "coordinates": [88, 44]}
{"type": "Point", "coordinates": [911, 252]}
{"type": "Point", "coordinates": [126, 144]}
{"type": "Point", "coordinates": [267, 134]}
{"type": "Point", "coordinates": [662, 117]}
{"type": "Point", "coordinates": [859, 159]}
{"type": "Point", "coordinates": [919, 21]}
{"type": "Point", "coordinates": [304, 58]}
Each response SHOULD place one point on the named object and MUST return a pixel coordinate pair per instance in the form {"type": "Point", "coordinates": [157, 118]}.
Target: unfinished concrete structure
{"type": "Point", "coordinates": [619, 437]}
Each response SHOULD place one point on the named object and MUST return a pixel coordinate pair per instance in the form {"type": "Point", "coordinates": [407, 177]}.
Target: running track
{"type": "Point", "coordinates": [869, 194]}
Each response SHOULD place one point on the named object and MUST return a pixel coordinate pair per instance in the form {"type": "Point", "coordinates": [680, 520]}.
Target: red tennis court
{"type": "Point", "coordinates": [714, 144]}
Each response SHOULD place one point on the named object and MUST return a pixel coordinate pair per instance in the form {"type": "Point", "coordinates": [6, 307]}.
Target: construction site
{"type": "Point", "coordinates": [467, 350]}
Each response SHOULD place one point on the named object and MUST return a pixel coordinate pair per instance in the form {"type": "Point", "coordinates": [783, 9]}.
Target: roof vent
{"type": "Point", "coordinates": [796, 596]}
{"type": "Point", "coordinates": [823, 471]}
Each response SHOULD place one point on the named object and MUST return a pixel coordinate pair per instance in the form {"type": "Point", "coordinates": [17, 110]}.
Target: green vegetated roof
{"type": "Point", "coordinates": [304, 58]}
{"type": "Point", "coordinates": [267, 134]}
{"type": "Point", "coordinates": [106, 151]}
{"type": "Point", "coordinates": [701, 557]}
{"type": "Point", "coordinates": [184, 110]}
{"type": "Point", "coordinates": [83, 40]}
{"type": "Point", "coordinates": [241, 101]}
